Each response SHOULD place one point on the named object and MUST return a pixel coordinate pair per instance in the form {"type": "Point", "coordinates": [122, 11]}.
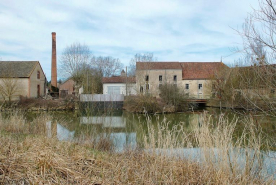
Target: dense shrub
{"type": "Point", "coordinates": [173, 95]}
{"type": "Point", "coordinates": [142, 103]}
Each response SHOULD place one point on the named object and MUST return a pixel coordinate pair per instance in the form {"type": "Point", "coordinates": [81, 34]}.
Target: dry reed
{"type": "Point", "coordinates": [36, 159]}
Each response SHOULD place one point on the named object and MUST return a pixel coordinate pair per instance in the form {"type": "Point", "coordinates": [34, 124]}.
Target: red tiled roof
{"type": "Point", "coordinates": [118, 79]}
{"type": "Point", "coordinates": [200, 70]}
{"type": "Point", "coordinates": [157, 65]}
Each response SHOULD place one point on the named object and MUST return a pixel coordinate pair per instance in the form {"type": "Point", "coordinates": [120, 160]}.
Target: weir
{"type": "Point", "coordinates": [101, 102]}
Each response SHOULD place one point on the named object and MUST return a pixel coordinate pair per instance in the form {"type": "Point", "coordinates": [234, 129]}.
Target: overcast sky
{"type": "Point", "coordinates": [174, 30]}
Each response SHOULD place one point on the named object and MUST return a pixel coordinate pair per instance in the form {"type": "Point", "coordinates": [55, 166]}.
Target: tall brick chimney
{"type": "Point", "coordinates": [54, 61]}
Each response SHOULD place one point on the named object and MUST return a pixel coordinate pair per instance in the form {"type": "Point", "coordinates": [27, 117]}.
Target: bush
{"type": "Point", "coordinates": [142, 103]}
{"type": "Point", "coordinates": [172, 95]}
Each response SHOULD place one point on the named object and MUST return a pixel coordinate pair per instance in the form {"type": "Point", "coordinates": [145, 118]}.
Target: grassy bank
{"type": "Point", "coordinates": [27, 155]}
{"type": "Point", "coordinates": [38, 104]}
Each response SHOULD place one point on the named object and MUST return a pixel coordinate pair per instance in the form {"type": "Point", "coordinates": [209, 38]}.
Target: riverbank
{"type": "Point", "coordinates": [37, 159]}
{"type": "Point", "coordinates": [40, 104]}
{"type": "Point", "coordinates": [28, 156]}
{"type": "Point", "coordinates": [133, 104]}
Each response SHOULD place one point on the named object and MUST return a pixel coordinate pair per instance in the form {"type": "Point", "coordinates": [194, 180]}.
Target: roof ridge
{"type": "Point", "coordinates": [33, 68]}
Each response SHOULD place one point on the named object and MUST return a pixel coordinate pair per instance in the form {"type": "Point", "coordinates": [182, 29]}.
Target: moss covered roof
{"type": "Point", "coordinates": [18, 69]}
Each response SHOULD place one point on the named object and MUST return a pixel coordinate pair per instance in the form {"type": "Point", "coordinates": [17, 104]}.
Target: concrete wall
{"type": "Point", "coordinates": [101, 97]}
{"type": "Point", "coordinates": [90, 103]}
{"type": "Point", "coordinates": [131, 88]}
{"type": "Point", "coordinates": [153, 82]}
{"type": "Point", "coordinates": [194, 92]}
{"type": "Point", "coordinates": [34, 82]}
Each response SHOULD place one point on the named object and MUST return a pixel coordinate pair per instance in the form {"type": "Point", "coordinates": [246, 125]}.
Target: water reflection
{"type": "Point", "coordinates": [72, 126]}
{"type": "Point", "coordinates": [123, 140]}
{"type": "Point", "coordinates": [126, 130]}
{"type": "Point", "coordinates": [116, 125]}
{"type": "Point", "coordinates": [106, 121]}
{"type": "Point", "coordinates": [63, 134]}
{"type": "Point", "coordinates": [267, 163]}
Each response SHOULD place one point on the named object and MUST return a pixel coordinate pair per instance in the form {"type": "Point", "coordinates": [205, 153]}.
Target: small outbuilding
{"type": "Point", "coordinates": [67, 88]}
{"type": "Point", "coordinates": [119, 85]}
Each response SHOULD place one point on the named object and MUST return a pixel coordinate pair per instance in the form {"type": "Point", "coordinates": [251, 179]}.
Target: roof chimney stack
{"type": "Point", "coordinates": [54, 61]}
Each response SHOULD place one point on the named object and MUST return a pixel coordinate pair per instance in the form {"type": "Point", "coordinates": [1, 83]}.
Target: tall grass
{"type": "Point", "coordinates": [15, 122]}
{"type": "Point", "coordinates": [221, 157]}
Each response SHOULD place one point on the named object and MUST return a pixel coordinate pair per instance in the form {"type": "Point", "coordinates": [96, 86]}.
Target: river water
{"type": "Point", "coordinates": [126, 130]}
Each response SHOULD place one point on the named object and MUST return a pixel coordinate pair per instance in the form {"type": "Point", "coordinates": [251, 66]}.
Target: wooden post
{"type": "Point", "coordinates": [126, 80]}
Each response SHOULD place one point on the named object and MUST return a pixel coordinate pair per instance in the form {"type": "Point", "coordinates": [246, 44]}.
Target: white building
{"type": "Point", "coordinates": [119, 85]}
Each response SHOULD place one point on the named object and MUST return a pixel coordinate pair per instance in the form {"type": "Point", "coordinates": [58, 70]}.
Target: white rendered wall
{"type": "Point", "coordinates": [131, 88]}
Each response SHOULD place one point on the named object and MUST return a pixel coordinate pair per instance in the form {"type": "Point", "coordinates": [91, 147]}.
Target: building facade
{"type": "Point", "coordinates": [194, 79]}
{"type": "Point", "coordinates": [21, 78]}
{"type": "Point", "coordinates": [198, 78]}
{"type": "Point", "coordinates": [150, 76]}
{"type": "Point", "coordinates": [67, 88]}
{"type": "Point", "coordinates": [119, 85]}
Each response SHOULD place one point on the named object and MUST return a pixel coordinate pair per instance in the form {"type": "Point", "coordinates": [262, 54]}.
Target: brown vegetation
{"type": "Point", "coordinates": [35, 159]}
{"type": "Point", "coordinates": [67, 103]}
{"type": "Point", "coordinates": [171, 99]}
{"type": "Point", "coordinates": [253, 87]}
{"type": "Point", "coordinates": [142, 103]}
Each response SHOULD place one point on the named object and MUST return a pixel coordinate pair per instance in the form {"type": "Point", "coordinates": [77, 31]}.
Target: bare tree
{"type": "Point", "coordinates": [74, 61]}
{"type": "Point", "coordinates": [92, 81]}
{"type": "Point", "coordinates": [259, 29]}
{"type": "Point", "coordinates": [139, 57]}
{"type": "Point", "coordinates": [9, 88]}
{"type": "Point", "coordinates": [108, 66]}
{"type": "Point", "coordinates": [253, 87]}
{"type": "Point", "coordinates": [86, 70]}
{"type": "Point", "coordinates": [172, 94]}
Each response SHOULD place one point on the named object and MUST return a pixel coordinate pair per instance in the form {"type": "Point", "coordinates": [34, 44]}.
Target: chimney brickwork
{"type": "Point", "coordinates": [54, 61]}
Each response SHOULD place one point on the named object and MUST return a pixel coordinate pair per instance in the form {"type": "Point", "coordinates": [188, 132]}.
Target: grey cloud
{"type": "Point", "coordinates": [179, 30]}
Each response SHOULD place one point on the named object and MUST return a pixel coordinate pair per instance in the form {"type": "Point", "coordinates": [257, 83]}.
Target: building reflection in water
{"type": "Point", "coordinates": [63, 134]}
{"type": "Point", "coordinates": [119, 135]}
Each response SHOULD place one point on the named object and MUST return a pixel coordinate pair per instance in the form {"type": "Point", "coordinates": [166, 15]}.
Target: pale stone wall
{"type": "Point", "coordinates": [23, 87]}
{"type": "Point", "coordinates": [153, 81]}
{"type": "Point", "coordinates": [131, 88]}
{"type": "Point", "coordinates": [20, 84]}
{"type": "Point", "coordinates": [34, 82]}
{"type": "Point", "coordinates": [205, 92]}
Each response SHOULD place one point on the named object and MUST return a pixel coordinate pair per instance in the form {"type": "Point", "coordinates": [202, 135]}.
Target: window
{"type": "Point", "coordinates": [147, 78]}
{"type": "Point", "coordinates": [175, 78]}
{"type": "Point", "coordinates": [160, 78]}
{"type": "Point", "coordinates": [38, 74]}
{"type": "Point", "coordinates": [199, 86]}
{"type": "Point", "coordinates": [141, 89]}
{"type": "Point", "coordinates": [113, 90]}
{"type": "Point", "coordinates": [147, 86]}
{"type": "Point", "coordinates": [187, 86]}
